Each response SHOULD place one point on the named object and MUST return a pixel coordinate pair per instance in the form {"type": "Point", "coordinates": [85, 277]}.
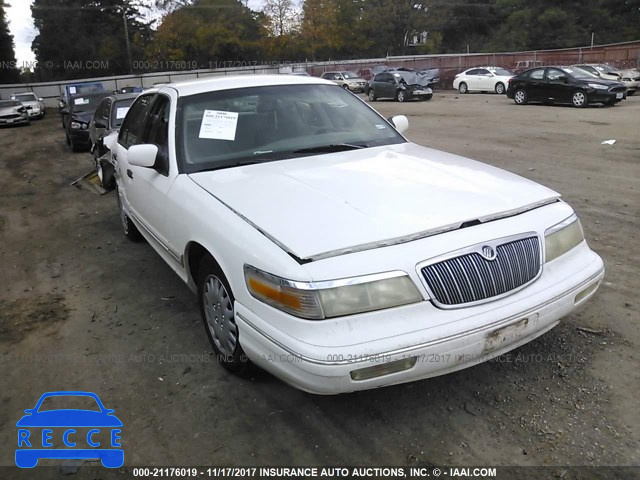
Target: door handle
{"type": "Point", "coordinates": [129, 173]}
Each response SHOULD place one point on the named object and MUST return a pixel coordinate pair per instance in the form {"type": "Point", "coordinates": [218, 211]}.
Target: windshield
{"type": "Point", "coordinates": [606, 69]}
{"type": "Point", "coordinates": [27, 97]}
{"type": "Point", "coordinates": [502, 72]}
{"type": "Point", "coordinates": [251, 125]}
{"type": "Point", "coordinates": [576, 72]}
{"type": "Point", "coordinates": [9, 103]}
{"type": "Point", "coordinates": [87, 103]}
{"type": "Point", "coordinates": [119, 111]}
{"type": "Point", "coordinates": [350, 75]}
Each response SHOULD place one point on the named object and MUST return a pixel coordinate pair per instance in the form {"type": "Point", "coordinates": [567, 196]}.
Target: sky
{"type": "Point", "coordinates": [23, 31]}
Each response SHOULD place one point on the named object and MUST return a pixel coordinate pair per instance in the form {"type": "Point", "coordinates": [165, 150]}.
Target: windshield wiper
{"type": "Point", "coordinates": [340, 147]}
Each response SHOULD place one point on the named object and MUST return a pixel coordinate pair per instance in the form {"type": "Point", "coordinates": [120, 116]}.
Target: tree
{"type": "Point", "coordinates": [282, 16]}
{"type": "Point", "coordinates": [8, 71]}
{"type": "Point", "coordinates": [210, 33]}
{"type": "Point", "coordinates": [86, 38]}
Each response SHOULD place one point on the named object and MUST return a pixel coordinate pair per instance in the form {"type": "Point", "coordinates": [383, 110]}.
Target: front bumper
{"type": "Point", "coordinates": [443, 341]}
{"type": "Point", "coordinates": [14, 121]}
{"type": "Point", "coordinates": [357, 87]}
{"type": "Point", "coordinates": [80, 137]}
{"type": "Point", "coordinates": [35, 112]}
{"type": "Point", "coordinates": [597, 96]}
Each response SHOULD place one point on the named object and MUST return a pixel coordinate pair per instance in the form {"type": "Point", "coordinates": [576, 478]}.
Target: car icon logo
{"type": "Point", "coordinates": [488, 253]}
{"type": "Point", "coordinates": [79, 433]}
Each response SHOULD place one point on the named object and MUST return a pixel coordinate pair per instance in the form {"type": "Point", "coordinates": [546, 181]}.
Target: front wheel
{"type": "Point", "coordinates": [401, 96]}
{"type": "Point", "coordinates": [463, 88]}
{"type": "Point", "coordinates": [129, 229]}
{"type": "Point", "coordinates": [520, 97]}
{"type": "Point", "coordinates": [579, 99]}
{"type": "Point", "coordinates": [104, 170]}
{"type": "Point", "coordinates": [372, 95]}
{"type": "Point", "coordinates": [427, 97]}
{"type": "Point", "coordinates": [500, 88]}
{"type": "Point", "coordinates": [216, 303]}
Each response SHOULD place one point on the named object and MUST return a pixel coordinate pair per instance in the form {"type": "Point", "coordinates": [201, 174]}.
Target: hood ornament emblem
{"type": "Point", "coordinates": [488, 253]}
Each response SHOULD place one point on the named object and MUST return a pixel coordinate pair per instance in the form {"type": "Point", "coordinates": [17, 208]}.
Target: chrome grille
{"type": "Point", "coordinates": [471, 277]}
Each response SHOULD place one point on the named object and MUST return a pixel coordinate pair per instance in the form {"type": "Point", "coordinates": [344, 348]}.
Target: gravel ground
{"type": "Point", "coordinates": [82, 308]}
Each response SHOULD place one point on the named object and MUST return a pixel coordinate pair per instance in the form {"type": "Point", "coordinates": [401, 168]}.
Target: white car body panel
{"type": "Point", "coordinates": [336, 202]}
{"type": "Point", "coordinates": [384, 194]}
{"type": "Point", "coordinates": [35, 107]}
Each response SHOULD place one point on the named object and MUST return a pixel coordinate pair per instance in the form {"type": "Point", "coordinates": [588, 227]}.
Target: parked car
{"type": "Point", "coordinates": [75, 89]}
{"type": "Point", "coordinates": [12, 112]}
{"type": "Point", "coordinates": [33, 104]}
{"type": "Point", "coordinates": [305, 222]}
{"type": "Point", "coordinates": [629, 78]}
{"type": "Point", "coordinates": [483, 79]}
{"type": "Point", "coordinates": [399, 85]}
{"type": "Point", "coordinates": [77, 117]}
{"type": "Point", "coordinates": [108, 117]}
{"type": "Point", "coordinates": [564, 85]}
{"type": "Point", "coordinates": [523, 65]}
{"type": "Point", "coordinates": [348, 80]}
{"type": "Point", "coordinates": [130, 90]}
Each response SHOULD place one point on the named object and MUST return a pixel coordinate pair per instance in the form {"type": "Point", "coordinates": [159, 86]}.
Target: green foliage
{"type": "Point", "coordinates": [8, 74]}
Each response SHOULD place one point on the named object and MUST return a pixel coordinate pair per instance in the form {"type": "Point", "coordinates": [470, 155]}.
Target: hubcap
{"type": "Point", "coordinates": [578, 98]}
{"type": "Point", "coordinates": [218, 311]}
{"type": "Point", "coordinates": [463, 88]}
{"type": "Point", "coordinates": [123, 216]}
{"type": "Point", "coordinates": [520, 96]}
{"type": "Point", "coordinates": [401, 96]}
{"type": "Point", "coordinates": [371, 95]}
{"type": "Point", "coordinates": [500, 88]}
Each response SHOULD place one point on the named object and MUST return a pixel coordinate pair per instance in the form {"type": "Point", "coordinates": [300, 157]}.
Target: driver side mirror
{"type": "Point", "coordinates": [401, 123]}
{"type": "Point", "coordinates": [142, 155]}
{"type": "Point", "coordinates": [100, 124]}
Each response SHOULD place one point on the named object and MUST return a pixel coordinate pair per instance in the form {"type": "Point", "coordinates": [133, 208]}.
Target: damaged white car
{"type": "Point", "coordinates": [326, 248]}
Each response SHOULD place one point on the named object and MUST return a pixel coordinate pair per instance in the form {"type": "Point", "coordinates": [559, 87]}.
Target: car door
{"type": "Point", "coordinates": [147, 188]}
{"type": "Point", "coordinates": [559, 88]}
{"type": "Point", "coordinates": [471, 79]}
{"type": "Point", "coordinates": [536, 85]}
{"type": "Point", "coordinates": [484, 80]}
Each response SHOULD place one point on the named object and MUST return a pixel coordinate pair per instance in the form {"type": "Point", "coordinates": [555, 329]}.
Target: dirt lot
{"type": "Point", "coordinates": [82, 308]}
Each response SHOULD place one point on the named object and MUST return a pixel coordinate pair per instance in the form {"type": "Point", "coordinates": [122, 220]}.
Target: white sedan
{"type": "Point", "coordinates": [34, 105]}
{"type": "Point", "coordinates": [483, 79]}
{"type": "Point", "coordinates": [326, 248]}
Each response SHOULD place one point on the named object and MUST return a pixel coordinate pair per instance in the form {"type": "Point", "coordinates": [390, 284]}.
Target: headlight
{"type": "Point", "coordinates": [598, 86]}
{"type": "Point", "coordinates": [76, 125]}
{"type": "Point", "coordinates": [562, 237]}
{"type": "Point", "coordinates": [319, 300]}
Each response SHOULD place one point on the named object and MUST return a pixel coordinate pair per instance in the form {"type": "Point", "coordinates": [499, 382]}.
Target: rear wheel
{"type": "Point", "coordinates": [401, 96]}
{"type": "Point", "coordinates": [372, 95]}
{"type": "Point", "coordinates": [129, 229]}
{"type": "Point", "coordinates": [579, 99]}
{"type": "Point", "coordinates": [216, 303]}
{"type": "Point", "coordinates": [500, 88]}
{"type": "Point", "coordinates": [520, 97]}
{"type": "Point", "coordinates": [104, 170]}
{"type": "Point", "coordinates": [463, 88]}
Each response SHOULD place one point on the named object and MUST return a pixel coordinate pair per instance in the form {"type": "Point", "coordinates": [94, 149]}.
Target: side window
{"type": "Point", "coordinates": [102, 109]}
{"type": "Point", "coordinates": [379, 78]}
{"type": "Point", "coordinates": [473, 72]}
{"type": "Point", "coordinates": [482, 71]}
{"type": "Point", "coordinates": [131, 130]}
{"type": "Point", "coordinates": [537, 74]}
{"type": "Point", "coordinates": [327, 76]}
{"type": "Point", "coordinates": [555, 74]}
{"type": "Point", "coordinates": [157, 131]}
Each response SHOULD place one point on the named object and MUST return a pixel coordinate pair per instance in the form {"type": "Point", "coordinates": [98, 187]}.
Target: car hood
{"type": "Point", "coordinates": [601, 81]}
{"type": "Point", "coordinates": [85, 117]}
{"type": "Point", "coordinates": [321, 206]}
{"type": "Point", "coordinates": [9, 110]}
{"type": "Point", "coordinates": [69, 418]}
{"type": "Point", "coordinates": [31, 103]}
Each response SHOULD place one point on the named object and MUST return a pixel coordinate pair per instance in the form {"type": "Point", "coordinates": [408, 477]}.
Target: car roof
{"type": "Point", "coordinates": [101, 93]}
{"type": "Point", "coordinates": [23, 93]}
{"type": "Point", "coordinates": [194, 87]}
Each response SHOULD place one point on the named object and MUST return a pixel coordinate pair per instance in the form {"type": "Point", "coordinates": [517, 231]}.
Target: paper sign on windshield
{"type": "Point", "coordinates": [81, 101]}
{"type": "Point", "coordinates": [219, 125]}
{"type": "Point", "coordinates": [121, 112]}
{"type": "Point", "coordinates": [72, 90]}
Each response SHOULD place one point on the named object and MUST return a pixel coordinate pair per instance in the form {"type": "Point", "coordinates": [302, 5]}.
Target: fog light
{"type": "Point", "coordinates": [383, 369]}
{"type": "Point", "coordinates": [585, 293]}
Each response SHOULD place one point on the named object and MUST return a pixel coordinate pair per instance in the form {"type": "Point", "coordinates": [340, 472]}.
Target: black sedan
{"type": "Point", "coordinates": [564, 85]}
{"type": "Point", "coordinates": [399, 85]}
{"type": "Point", "coordinates": [108, 118]}
{"type": "Point", "coordinates": [76, 118]}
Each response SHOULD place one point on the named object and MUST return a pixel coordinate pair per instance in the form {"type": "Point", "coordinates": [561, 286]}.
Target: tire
{"type": "Point", "coordinates": [520, 97]}
{"type": "Point", "coordinates": [579, 99]}
{"type": "Point", "coordinates": [372, 95]}
{"type": "Point", "coordinates": [74, 147]}
{"type": "Point", "coordinates": [104, 170]}
{"type": "Point", "coordinates": [401, 96]}
{"type": "Point", "coordinates": [68, 139]}
{"type": "Point", "coordinates": [216, 302]}
{"type": "Point", "coordinates": [129, 229]}
{"type": "Point", "coordinates": [346, 87]}
{"type": "Point", "coordinates": [426, 98]}
{"type": "Point", "coordinates": [463, 88]}
{"type": "Point", "coordinates": [500, 88]}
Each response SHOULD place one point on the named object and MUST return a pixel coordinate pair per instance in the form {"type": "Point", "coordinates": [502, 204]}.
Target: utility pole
{"type": "Point", "coordinates": [126, 38]}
